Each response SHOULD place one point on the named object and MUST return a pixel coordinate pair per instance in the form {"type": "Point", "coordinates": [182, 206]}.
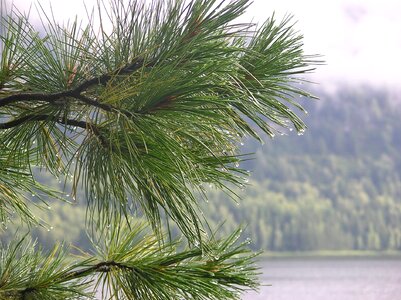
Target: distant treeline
{"type": "Point", "coordinates": [337, 187]}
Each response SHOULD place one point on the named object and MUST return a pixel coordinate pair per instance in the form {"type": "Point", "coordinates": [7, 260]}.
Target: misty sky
{"type": "Point", "coordinates": [360, 40]}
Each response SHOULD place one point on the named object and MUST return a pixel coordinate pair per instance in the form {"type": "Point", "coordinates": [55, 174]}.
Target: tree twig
{"type": "Point", "coordinates": [77, 91]}
{"type": "Point", "coordinates": [61, 120]}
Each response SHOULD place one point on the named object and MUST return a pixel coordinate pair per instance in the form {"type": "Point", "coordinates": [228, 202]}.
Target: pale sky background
{"type": "Point", "coordinates": [360, 40]}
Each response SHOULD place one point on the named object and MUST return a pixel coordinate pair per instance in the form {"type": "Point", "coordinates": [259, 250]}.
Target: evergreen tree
{"type": "Point", "coordinates": [141, 109]}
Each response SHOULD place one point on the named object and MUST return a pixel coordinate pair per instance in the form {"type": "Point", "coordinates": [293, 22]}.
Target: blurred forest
{"type": "Point", "coordinates": [336, 187]}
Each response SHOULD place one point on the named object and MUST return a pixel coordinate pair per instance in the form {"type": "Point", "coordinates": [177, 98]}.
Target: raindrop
{"type": "Point", "coordinates": [242, 144]}
{"type": "Point", "coordinates": [49, 207]}
{"type": "Point", "coordinates": [291, 129]}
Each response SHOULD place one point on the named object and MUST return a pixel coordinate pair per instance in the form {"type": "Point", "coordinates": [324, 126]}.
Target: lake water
{"type": "Point", "coordinates": [330, 279]}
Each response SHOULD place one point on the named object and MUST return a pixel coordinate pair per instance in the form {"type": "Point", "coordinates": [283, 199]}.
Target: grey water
{"type": "Point", "coordinates": [329, 279]}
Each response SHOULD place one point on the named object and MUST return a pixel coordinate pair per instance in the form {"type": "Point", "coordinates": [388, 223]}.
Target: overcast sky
{"type": "Point", "coordinates": [359, 39]}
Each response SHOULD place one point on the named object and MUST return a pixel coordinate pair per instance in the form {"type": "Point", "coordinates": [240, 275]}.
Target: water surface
{"type": "Point", "coordinates": [330, 279]}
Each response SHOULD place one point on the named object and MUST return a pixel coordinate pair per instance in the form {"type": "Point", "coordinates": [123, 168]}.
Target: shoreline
{"type": "Point", "coordinates": [331, 254]}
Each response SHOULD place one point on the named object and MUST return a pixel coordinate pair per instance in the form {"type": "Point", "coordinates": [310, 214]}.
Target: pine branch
{"type": "Point", "coordinates": [76, 93]}
{"type": "Point", "coordinates": [61, 120]}
{"type": "Point", "coordinates": [137, 266]}
{"type": "Point", "coordinates": [34, 118]}
{"type": "Point", "coordinates": [184, 84]}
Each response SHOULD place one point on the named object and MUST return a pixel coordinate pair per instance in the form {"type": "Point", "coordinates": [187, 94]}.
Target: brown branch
{"type": "Point", "coordinates": [101, 267]}
{"type": "Point", "coordinates": [77, 91]}
{"type": "Point", "coordinates": [104, 79]}
{"type": "Point", "coordinates": [34, 97]}
{"type": "Point", "coordinates": [61, 120]}
{"type": "Point", "coordinates": [29, 118]}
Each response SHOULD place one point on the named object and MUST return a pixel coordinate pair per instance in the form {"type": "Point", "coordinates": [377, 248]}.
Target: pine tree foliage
{"type": "Point", "coordinates": [142, 109]}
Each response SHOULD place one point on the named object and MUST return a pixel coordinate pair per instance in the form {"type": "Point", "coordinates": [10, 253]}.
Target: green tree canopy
{"type": "Point", "coordinates": [142, 109]}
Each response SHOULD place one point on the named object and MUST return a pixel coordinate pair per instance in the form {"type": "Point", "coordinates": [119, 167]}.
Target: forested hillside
{"type": "Point", "coordinates": [337, 187]}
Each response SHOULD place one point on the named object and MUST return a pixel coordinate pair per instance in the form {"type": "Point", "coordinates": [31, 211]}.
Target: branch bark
{"type": "Point", "coordinates": [61, 120]}
{"type": "Point", "coordinates": [76, 92]}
